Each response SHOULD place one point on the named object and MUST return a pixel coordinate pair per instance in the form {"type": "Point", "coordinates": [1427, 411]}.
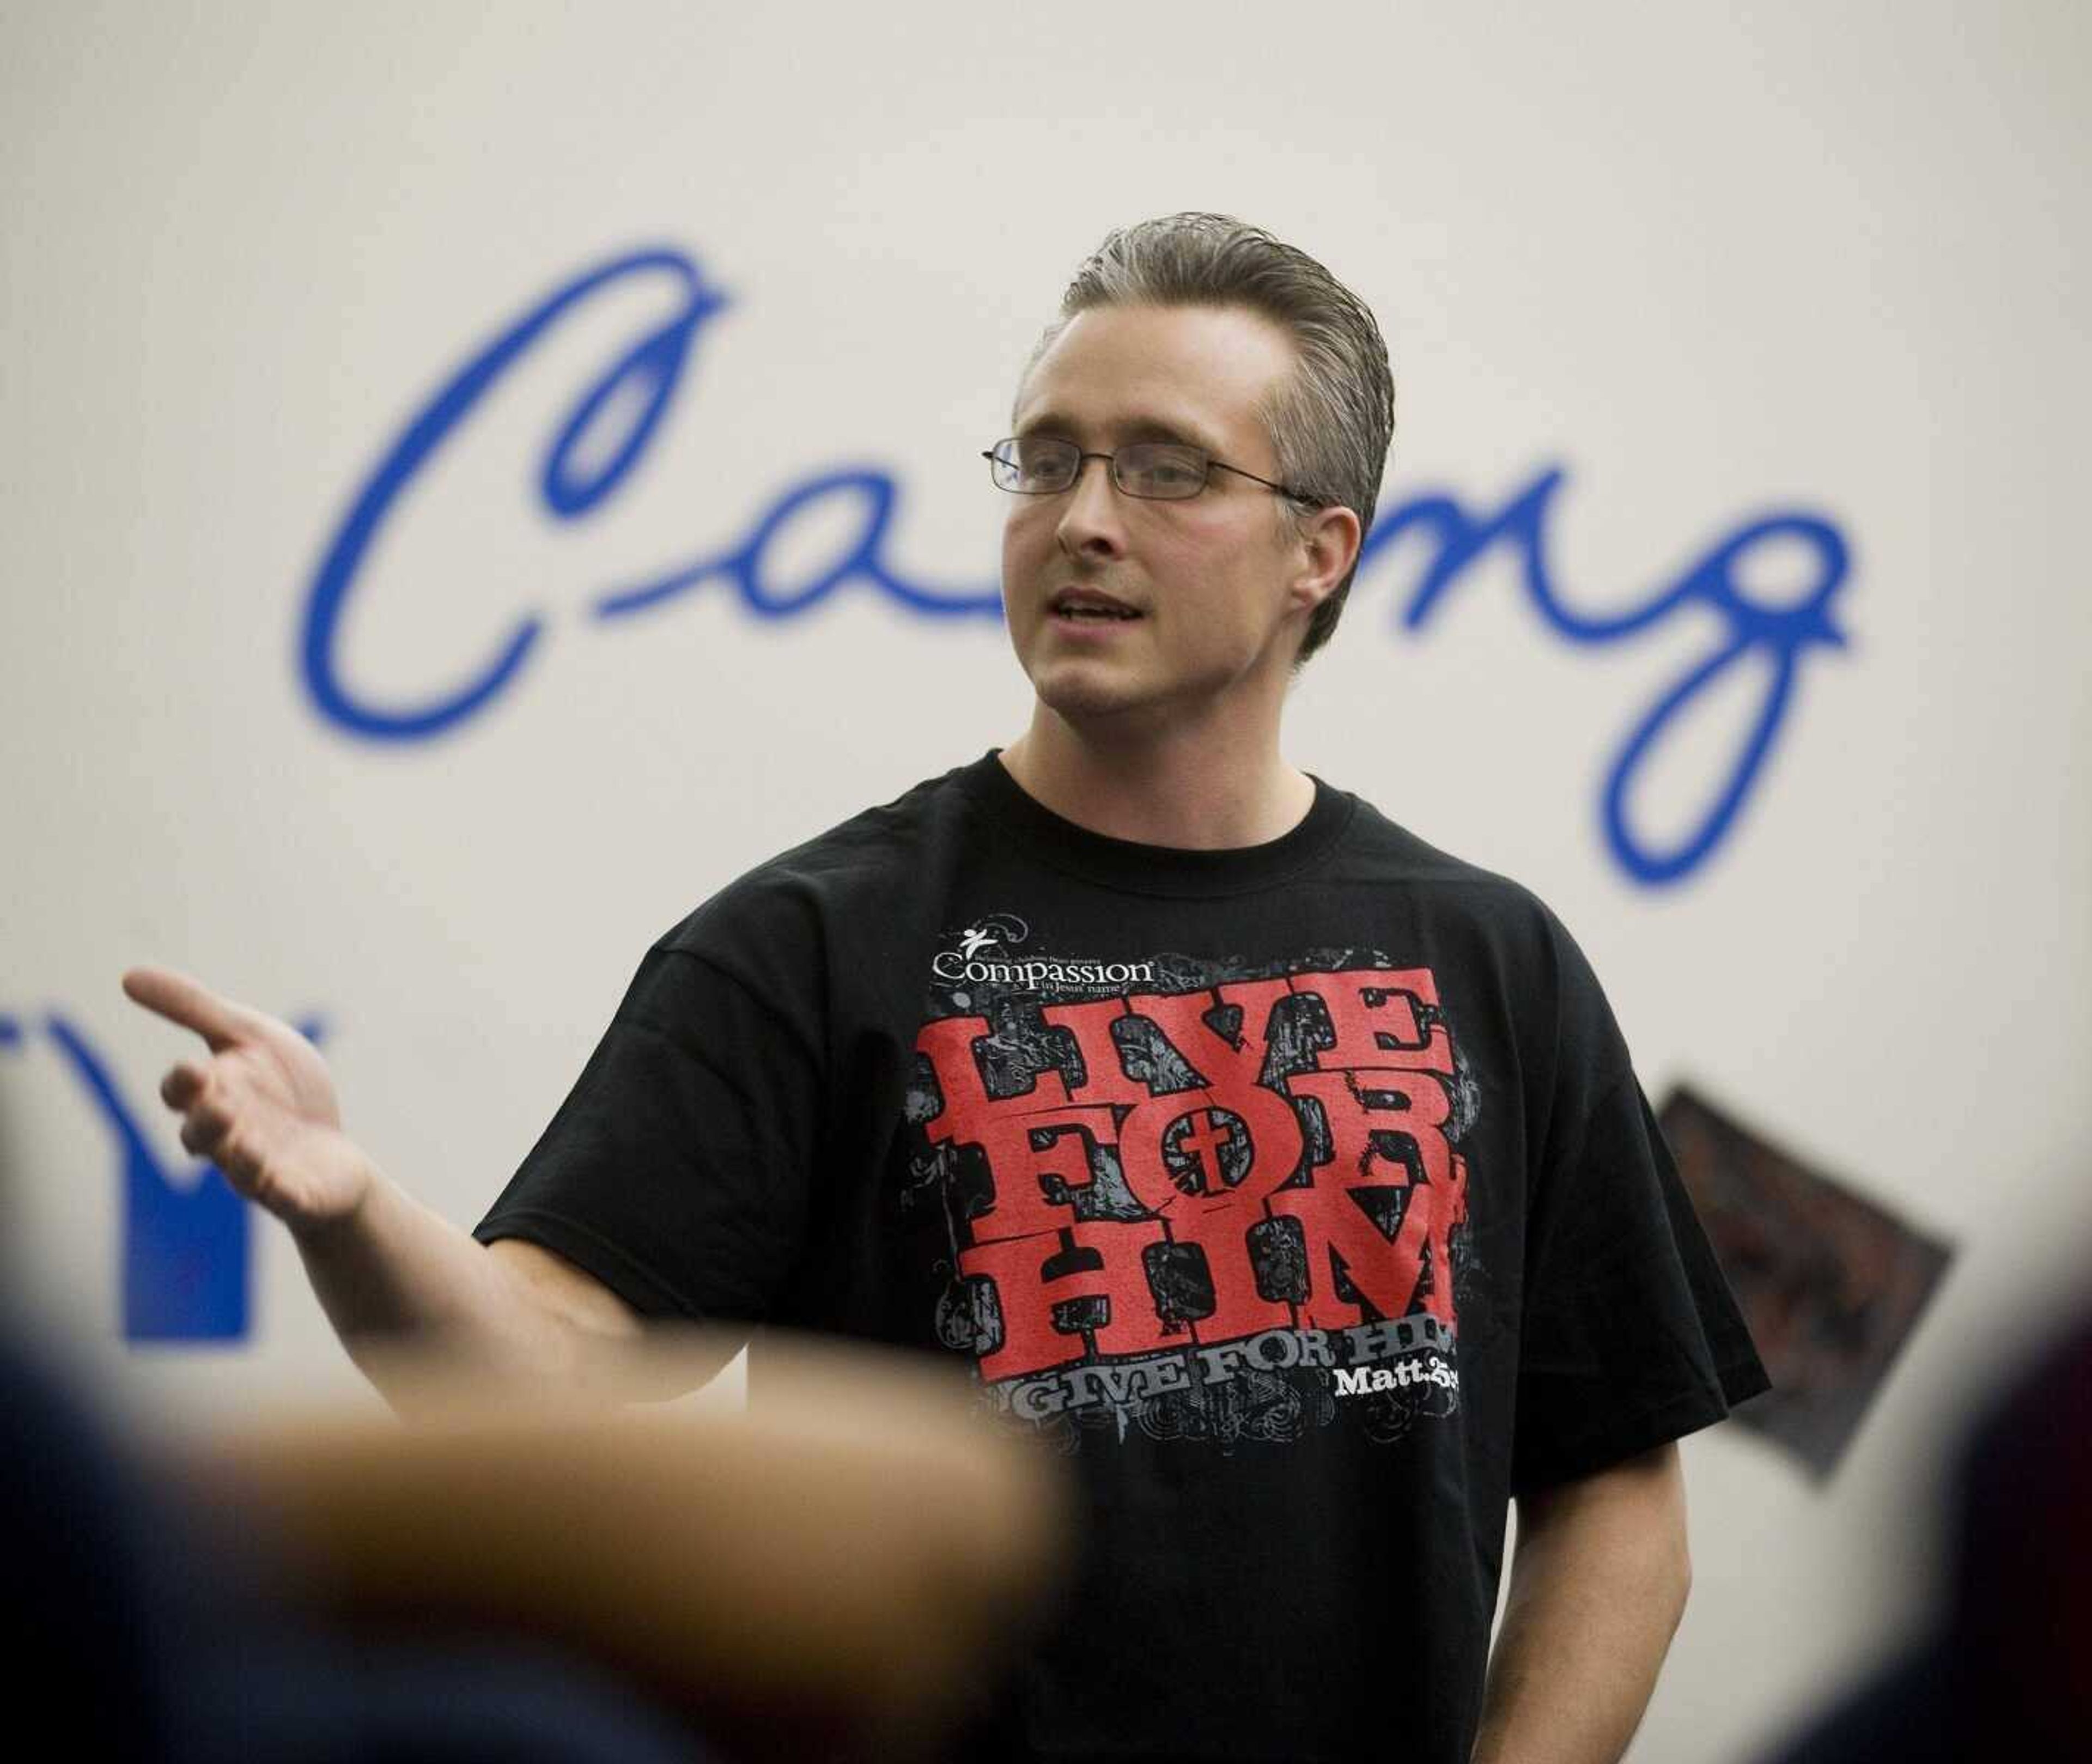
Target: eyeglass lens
{"type": "Point", "coordinates": [1043, 464]}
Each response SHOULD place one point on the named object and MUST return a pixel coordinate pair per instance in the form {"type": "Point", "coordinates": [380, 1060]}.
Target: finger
{"type": "Point", "coordinates": [204, 1134]}
{"type": "Point", "coordinates": [187, 1002]}
{"type": "Point", "coordinates": [183, 1085]}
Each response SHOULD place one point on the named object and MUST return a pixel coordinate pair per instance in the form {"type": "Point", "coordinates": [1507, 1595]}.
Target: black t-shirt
{"type": "Point", "coordinates": [1303, 1194]}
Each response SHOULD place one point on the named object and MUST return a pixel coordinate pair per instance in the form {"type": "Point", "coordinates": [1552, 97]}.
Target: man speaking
{"type": "Point", "coordinates": [1288, 1175]}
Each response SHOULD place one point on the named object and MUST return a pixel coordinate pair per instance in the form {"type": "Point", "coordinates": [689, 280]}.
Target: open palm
{"type": "Point", "coordinates": [262, 1107]}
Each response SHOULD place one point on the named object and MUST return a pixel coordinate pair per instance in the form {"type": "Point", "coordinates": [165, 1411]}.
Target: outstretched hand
{"type": "Point", "coordinates": [262, 1107]}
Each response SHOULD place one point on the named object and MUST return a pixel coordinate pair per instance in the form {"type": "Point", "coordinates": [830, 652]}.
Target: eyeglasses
{"type": "Point", "coordinates": [1158, 471]}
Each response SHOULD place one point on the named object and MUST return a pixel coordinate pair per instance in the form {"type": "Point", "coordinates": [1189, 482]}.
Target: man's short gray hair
{"type": "Point", "coordinates": [1331, 424]}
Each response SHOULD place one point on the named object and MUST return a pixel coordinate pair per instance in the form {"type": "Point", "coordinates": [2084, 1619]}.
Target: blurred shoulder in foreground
{"type": "Point", "coordinates": [831, 1573]}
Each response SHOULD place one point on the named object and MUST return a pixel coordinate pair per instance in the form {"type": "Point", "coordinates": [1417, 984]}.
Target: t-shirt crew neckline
{"type": "Point", "coordinates": [1134, 868]}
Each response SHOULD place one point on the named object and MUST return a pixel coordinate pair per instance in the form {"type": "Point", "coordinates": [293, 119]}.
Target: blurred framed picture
{"type": "Point", "coordinates": [1831, 1283]}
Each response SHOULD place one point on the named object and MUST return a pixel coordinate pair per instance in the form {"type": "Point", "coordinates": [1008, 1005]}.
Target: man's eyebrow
{"type": "Point", "coordinates": [1132, 429]}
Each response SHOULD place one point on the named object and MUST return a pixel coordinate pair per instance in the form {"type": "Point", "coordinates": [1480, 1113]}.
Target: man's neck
{"type": "Point", "coordinates": [1192, 789]}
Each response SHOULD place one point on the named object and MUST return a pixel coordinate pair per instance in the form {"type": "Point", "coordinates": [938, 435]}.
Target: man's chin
{"type": "Point", "coordinates": [1083, 693]}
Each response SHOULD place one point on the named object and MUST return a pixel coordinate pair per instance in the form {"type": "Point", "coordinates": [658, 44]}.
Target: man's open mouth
{"type": "Point", "coordinates": [1073, 607]}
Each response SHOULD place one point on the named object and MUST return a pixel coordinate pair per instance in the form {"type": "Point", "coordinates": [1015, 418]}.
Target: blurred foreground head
{"type": "Point", "coordinates": [2004, 1674]}
{"type": "Point", "coordinates": [2021, 1633]}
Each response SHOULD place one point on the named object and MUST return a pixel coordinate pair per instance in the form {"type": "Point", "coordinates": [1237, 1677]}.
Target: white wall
{"type": "Point", "coordinates": [1827, 260]}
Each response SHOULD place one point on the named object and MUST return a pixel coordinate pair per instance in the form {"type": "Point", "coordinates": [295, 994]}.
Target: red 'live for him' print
{"type": "Point", "coordinates": [1366, 1196]}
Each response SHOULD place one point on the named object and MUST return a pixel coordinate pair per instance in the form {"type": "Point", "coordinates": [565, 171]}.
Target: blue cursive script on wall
{"type": "Point", "coordinates": [1777, 636]}
{"type": "Point", "coordinates": [636, 388]}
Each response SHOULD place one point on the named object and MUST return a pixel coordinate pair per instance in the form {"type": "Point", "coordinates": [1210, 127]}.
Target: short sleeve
{"type": "Point", "coordinates": [676, 1170]}
{"type": "Point", "coordinates": [1630, 1335]}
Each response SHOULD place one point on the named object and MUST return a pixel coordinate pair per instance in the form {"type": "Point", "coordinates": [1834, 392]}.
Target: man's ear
{"type": "Point", "coordinates": [1329, 540]}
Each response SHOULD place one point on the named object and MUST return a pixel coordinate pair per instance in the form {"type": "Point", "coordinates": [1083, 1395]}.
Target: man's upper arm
{"type": "Point", "coordinates": [1640, 1498]}
{"type": "Point", "coordinates": [564, 1292]}
{"type": "Point", "coordinates": [639, 1362]}
{"type": "Point", "coordinates": [678, 1171]}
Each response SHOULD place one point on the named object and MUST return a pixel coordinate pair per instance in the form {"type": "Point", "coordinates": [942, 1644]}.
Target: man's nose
{"type": "Point", "coordinates": [1090, 520]}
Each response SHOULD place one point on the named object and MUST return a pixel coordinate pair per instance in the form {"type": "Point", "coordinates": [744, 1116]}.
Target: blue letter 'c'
{"type": "Point", "coordinates": [654, 365]}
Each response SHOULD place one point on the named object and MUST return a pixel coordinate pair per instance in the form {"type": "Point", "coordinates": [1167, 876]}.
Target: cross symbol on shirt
{"type": "Point", "coordinates": [1203, 1133]}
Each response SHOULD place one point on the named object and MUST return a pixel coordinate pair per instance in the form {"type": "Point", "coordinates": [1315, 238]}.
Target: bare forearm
{"type": "Point", "coordinates": [395, 1278]}
{"type": "Point", "coordinates": [1599, 1586]}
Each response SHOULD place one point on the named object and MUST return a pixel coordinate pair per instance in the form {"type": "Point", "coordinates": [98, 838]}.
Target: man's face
{"type": "Point", "coordinates": [1211, 579]}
